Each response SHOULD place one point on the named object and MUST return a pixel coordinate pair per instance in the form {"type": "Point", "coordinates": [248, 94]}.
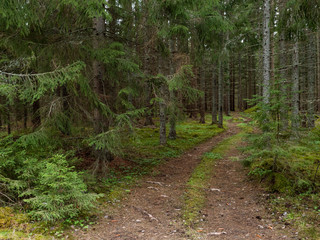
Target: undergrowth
{"type": "Point", "coordinates": [41, 180]}
{"type": "Point", "coordinates": [288, 165]}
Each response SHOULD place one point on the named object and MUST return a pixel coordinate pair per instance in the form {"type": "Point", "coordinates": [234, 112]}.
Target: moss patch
{"type": "Point", "coordinates": [14, 226]}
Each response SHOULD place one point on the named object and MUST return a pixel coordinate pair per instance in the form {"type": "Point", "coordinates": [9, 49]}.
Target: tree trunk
{"type": "Point", "coordinates": [173, 100]}
{"type": "Point", "coordinates": [266, 52]}
{"type": "Point", "coordinates": [311, 80]}
{"type": "Point", "coordinates": [202, 100]}
{"type": "Point", "coordinates": [283, 84]}
{"type": "Point", "coordinates": [100, 123]}
{"type": "Point", "coordinates": [295, 89]}
{"type": "Point", "coordinates": [240, 106]}
{"type": "Point", "coordinates": [36, 117]}
{"type": "Point", "coordinates": [214, 98]}
{"type": "Point", "coordinates": [25, 117]}
{"type": "Point", "coordinates": [162, 110]}
{"type": "Point", "coordinates": [9, 120]}
{"type": "Point", "coordinates": [162, 103]}
{"type": "Point", "coordinates": [227, 84]}
{"type": "Point", "coordinates": [220, 101]}
{"type": "Point", "coordinates": [318, 67]}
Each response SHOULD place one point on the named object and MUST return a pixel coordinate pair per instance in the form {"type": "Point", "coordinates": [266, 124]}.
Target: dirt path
{"type": "Point", "coordinates": [236, 208]}
{"type": "Point", "coordinates": [152, 210]}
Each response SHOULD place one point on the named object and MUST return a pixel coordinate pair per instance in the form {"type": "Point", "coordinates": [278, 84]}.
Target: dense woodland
{"type": "Point", "coordinates": [78, 78]}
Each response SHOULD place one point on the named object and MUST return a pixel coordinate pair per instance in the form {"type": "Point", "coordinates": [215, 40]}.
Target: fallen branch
{"type": "Point", "coordinates": [148, 214]}
{"type": "Point", "coordinates": [159, 183]}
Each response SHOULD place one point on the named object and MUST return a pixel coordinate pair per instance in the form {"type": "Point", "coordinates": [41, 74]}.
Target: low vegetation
{"type": "Point", "coordinates": [289, 169]}
{"type": "Point", "coordinates": [42, 181]}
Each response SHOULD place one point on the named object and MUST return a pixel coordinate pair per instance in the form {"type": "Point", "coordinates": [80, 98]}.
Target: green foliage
{"type": "Point", "coordinates": [31, 172]}
{"type": "Point", "coordinates": [290, 166]}
{"type": "Point", "coordinates": [58, 190]}
{"type": "Point", "coordinates": [31, 87]}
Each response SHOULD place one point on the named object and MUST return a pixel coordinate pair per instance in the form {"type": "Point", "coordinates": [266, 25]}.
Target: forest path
{"type": "Point", "coordinates": [236, 207]}
{"type": "Point", "coordinates": [153, 209]}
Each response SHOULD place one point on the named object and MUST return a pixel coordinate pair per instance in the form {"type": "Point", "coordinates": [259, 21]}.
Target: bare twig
{"type": "Point", "coordinates": [159, 183]}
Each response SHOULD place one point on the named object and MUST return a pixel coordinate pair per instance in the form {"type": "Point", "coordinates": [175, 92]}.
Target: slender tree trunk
{"type": "Point", "coordinates": [173, 100]}
{"type": "Point", "coordinates": [25, 117]}
{"type": "Point", "coordinates": [220, 101]}
{"type": "Point", "coordinates": [227, 85]}
{"type": "Point", "coordinates": [266, 52]}
{"type": "Point", "coordinates": [162, 110]}
{"type": "Point", "coordinates": [318, 67]}
{"type": "Point", "coordinates": [283, 84]}
{"type": "Point", "coordinates": [240, 106]}
{"type": "Point", "coordinates": [100, 123]}
{"type": "Point", "coordinates": [311, 80]}
{"type": "Point", "coordinates": [36, 116]}
{"type": "Point", "coordinates": [149, 62]}
{"type": "Point", "coordinates": [202, 100]}
{"type": "Point", "coordinates": [295, 89]}
{"type": "Point", "coordinates": [214, 98]}
{"type": "Point", "coordinates": [9, 120]}
{"type": "Point", "coordinates": [162, 103]}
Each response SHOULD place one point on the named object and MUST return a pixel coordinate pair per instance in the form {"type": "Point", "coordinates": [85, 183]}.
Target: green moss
{"type": "Point", "coordinates": [252, 110]}
{"type": "Point", "coordinates": [14, 225]}
{"type": "Point", "coordinates": [9, 219]}
{"type": "Point", "coordinates": [146, 143]}
{"type": "Point", "coordinates": [281, 183]}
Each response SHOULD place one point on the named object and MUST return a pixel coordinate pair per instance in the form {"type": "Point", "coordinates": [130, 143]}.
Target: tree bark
{"type": "Point", "coordinates": [36, 116]}
{"type": "Point", "coordinates": [173, 100]}
{"type": "Point", "coordinates": [295, 89]}
{"type": "Point", "coordinates": [283, 84]}
{"type": "Point", "coordinates": [100, 122]}
{"type": "Point", "coordinates": [240, 105]}
{"type": "Point", "coordinates": [220, 101]}
{"type": "Point", "coordinates": [311, 81]}
{"type": "Point", "coordinates": [162, 110]}
{"type": "Point", "coordinates": [214, 97]}
{"type": "Point", "coordinates": [202, 100]}
{"type": "Point", "coordinates": [318, 67]}
{"type": "Point", "coordinates": [9, 120]}
{"type": "Point", "coordinates": [266, 52]}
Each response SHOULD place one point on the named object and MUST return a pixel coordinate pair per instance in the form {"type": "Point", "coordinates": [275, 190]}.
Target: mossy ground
{"type": "Point", "coordinates": [15, 225]}
{"type": "Point", "coordinates": [294, 181]}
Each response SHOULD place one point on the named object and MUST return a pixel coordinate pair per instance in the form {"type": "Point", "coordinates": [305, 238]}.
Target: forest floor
{"type": "Point", "coordinates": [234, 208]}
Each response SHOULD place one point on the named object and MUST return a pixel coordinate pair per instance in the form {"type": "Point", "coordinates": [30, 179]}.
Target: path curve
{"type": "Point", "coordinates": [152, 209]}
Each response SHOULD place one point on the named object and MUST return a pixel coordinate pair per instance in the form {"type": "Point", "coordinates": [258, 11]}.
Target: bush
{"type": "Point", "coordinates": [59, 192]}
{"type": "Point", "coordinates": [49, 186]}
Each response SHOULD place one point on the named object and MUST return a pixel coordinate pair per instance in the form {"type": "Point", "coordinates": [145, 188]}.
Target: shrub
{"type": "Point", "coordinates": [45, 181]}
{"type": "Point", "coordinates": [58, 192]}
